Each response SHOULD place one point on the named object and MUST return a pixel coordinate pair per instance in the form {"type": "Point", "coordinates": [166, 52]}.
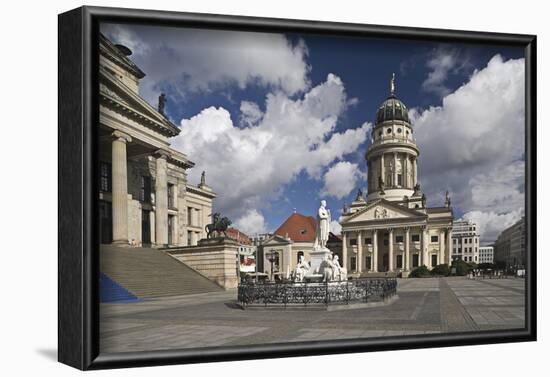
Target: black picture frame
{"type": "Point", "coordinates": [78, 327]}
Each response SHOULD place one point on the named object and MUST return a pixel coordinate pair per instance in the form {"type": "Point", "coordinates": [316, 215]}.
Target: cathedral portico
{"type": "Point", "coordinates": [392, 229]}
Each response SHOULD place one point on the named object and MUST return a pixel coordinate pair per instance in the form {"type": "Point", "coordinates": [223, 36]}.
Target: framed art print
{"type": "Point", "coordinates": [236, 187]}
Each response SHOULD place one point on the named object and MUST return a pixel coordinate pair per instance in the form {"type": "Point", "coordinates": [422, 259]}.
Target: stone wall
{"type": "Point", "coordinates": [215, 259]}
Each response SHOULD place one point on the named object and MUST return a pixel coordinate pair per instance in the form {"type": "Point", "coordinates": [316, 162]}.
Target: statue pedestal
{"type": "Point", "coordinates": [214, 258]}
{"type": "Point", "coordinates": [317, 256]}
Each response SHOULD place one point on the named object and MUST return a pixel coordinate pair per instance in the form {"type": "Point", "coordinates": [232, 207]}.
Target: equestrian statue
{"type": "Point", "coordinates": [218, 226]}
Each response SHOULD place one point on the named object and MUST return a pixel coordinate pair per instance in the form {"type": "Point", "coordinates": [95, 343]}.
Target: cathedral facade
{"type": "Point", "coordinates": [392, 229]}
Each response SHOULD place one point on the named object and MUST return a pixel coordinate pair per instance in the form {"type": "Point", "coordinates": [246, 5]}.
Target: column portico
{"type": "Point", "coordinates": [406, 262]}
{"type": "Point", "coordinates": [175, 231]}
{"type": "Point", "coordinates": [395, 169]}
{"type": "Point", "coordinates": [449, 249]}
{"type": "Point", "coordinates": [359, 252]}
{"type": "Point", "coordinates": [405, 172]}
{"type": "Point", "coordinates": [415, 172]}
{"type": "Point", "coordinates": [375, 250]}
{"type": "Point", "coordinates": [344, 250]}
{"type": "Point", "coordinates": [424, 247]}
{"type": "Point", "coordinates": [120, 187]}
{"type": "Point", "coordinates": [441, 254]}
{"type": "Point", "coordinates": [161, 200]}
{"type": "Point", "coordinates": [390, 250]}
{"type": "Point", "coordinates": [382, 169]}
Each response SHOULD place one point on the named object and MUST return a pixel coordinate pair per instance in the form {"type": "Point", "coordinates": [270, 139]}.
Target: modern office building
{"type": "Point", "coordinates": [510, 245]}
{"type": "Point", "coordinates": [486, 254]}
{"type": "Point", "coordinates": [466, 241]}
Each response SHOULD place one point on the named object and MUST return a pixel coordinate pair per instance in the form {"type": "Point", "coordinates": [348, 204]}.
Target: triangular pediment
{"type": "Point", "coordinates": [383, 210]}
{"type": "Point", "coordinates": [276, 240]}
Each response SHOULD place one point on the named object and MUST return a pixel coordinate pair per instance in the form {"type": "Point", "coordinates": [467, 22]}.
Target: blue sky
{"type": "Point", "coordinates": [256, 110]}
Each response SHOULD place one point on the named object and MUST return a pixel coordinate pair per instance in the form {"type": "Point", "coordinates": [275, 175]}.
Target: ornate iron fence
{"type": "Point", "coordinates": [290, 293]}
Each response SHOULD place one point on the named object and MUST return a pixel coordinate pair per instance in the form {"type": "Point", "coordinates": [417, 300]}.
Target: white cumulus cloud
{"type": "Point", "coordinates": [251, 222]}
{"type": "Point", "coordinates": [492, 223]}
{"type": "Point", "coordinates": [341, 179]}
{"type": "Point", "coordinates": [473, 145]}
{"type": "Point", "coordinates": [249, 167]}
{"type": "Point", "coordinates": [335, 227]}
{"type": "Point", "coordinates": [186, 60]}
{"type": "Point", "coordinates": [443, 61]}
{"type": "Point", "coordinates": [250, 113]}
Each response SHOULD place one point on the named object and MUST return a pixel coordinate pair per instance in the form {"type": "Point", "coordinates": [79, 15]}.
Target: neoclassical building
{"type": "Point", "coordinates": [145, 199]}
{"type": "Point", "coordinates": [393, 229]}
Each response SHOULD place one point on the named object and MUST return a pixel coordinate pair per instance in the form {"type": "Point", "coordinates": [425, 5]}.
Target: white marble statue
{"type": "Point", "coordinates": [340, 273]}
{"type": "Point", "coordinates": [327, 268]}
{"type": "Point", "coordinates": [323, 226]}
{"type": "Point", "coordinates": [301, 270]}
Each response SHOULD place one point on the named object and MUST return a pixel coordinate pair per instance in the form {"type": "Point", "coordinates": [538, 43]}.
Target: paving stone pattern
{"type": "Point", "coordinates": [424, 306]}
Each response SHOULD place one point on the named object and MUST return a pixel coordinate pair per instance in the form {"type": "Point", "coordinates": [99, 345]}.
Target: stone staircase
{"type": "Point", "coordinates": [152, 273]}
{"type": "Point", "coordinates": [111, 291]}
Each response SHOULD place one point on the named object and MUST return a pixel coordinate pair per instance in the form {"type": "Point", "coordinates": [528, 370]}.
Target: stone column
{"type": "Point", "coordinates": [425, 247]}
{"type": "Point", "coordinates": [390, 251]}
{"type": "Point", "coordinates": [415, 176]}
{"type": "Point", "coordinates": [382, 169]}
{"type": "Point", "coordinates": [344, 250]}
{"type": "Point", "coordinates": [449, 248]}
{"type": "Point", "coordinates": [161, 200]}
{"type": "Point", "coordinates": [375, 250]}
{"type": "Point", "coordinates": [175, 230]}
{"type": "Point", "coordinates": [120, 188]}
{"type": "Point", "coordinates": [395, 169]}
{"type": "Point", "coordinates": [406, 262]}
{"type": "Point", "coordinates": [359, 252]}
{"type": "Point", "coordinates": [441, 257]}
{"type": "Point", "coordinates": [405, 171]}
{"type": "Point", "coordinates": [152, 226]}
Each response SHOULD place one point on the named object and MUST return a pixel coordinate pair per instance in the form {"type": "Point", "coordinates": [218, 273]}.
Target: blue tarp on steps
{"type": "Point", "coordinates": [111, 291]}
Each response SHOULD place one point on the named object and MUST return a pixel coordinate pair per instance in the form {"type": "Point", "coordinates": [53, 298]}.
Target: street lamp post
{"type": "Point", "coordinates": [271, 256]}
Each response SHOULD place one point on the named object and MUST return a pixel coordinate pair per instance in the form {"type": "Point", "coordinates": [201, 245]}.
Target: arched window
{"type": "Point", "coordinates": [399, 130]}
{"type": "Point", "coordinates": [298, 255]}
{"type": "Point", "coordinates": [388, 130]}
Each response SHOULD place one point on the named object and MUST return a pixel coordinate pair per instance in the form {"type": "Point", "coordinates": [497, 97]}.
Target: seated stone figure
{"type": "Point", "coordinates": [327, 269]}
{"type": "Point", "coordinates": [340, 273]}
{"type": "Point", "coordinates": [301, 270]}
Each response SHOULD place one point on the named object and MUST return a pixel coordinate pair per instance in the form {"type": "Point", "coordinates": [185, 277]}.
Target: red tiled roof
{"type": "Point", "coordinates": [298, 228]}
{"type": "Point", "coordinates": [238, 236]}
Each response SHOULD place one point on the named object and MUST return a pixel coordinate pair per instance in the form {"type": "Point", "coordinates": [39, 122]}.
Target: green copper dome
{"type": "Point", "coordinates": [392, 109]}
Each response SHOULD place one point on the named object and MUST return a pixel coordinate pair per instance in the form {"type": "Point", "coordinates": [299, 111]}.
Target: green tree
{"type": "Point", "coordinates": [462, 267]}
{"type": "Point", "coordinates": [420, 272]}
{"type": "Point", "coordinates": [441, 270]}
{"type": "Point", "coordinates": [486, 266]}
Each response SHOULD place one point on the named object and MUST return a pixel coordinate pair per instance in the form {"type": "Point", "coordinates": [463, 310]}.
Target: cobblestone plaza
{"type": "Point", "coordinates": [424, 306]}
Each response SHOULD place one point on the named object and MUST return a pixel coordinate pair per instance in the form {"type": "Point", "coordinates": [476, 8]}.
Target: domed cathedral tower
{"type": "Point", "coordinates": [392, 155]}
{"type": "Point", "coordinates": [393, 230]}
